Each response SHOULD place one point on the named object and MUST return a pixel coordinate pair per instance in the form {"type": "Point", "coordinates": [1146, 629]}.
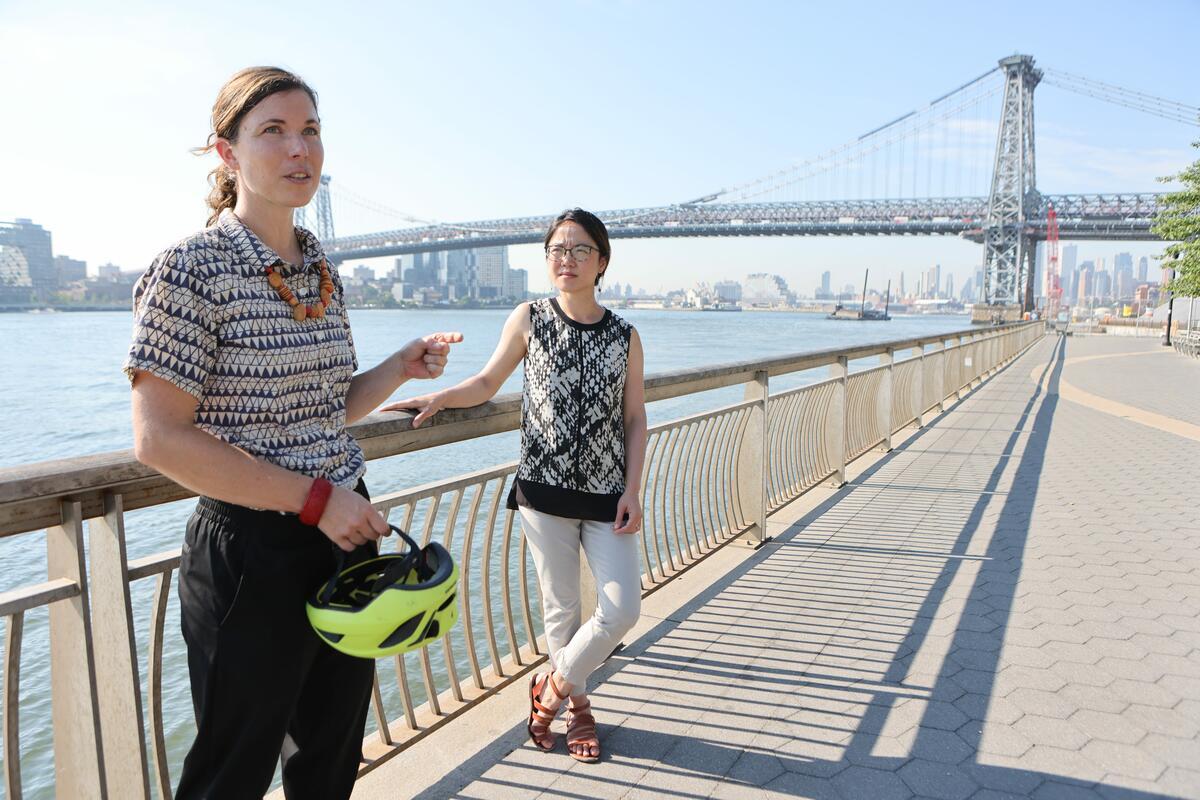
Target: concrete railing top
{"type": "Point", "coordinates": [31, 494]}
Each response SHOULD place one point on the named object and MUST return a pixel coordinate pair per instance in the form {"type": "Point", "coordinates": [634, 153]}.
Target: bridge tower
{"type": "Point", "coordinates": [1008, 247]}
{"type": "Point", "coordinates": [324, 212]}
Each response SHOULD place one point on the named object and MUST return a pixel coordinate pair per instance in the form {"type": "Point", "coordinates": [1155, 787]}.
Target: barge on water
{"type": "Point", "coordinates": [862, 312]}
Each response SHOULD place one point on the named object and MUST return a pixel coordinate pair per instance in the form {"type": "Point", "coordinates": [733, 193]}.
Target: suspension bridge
{"type": "Point", "coordinates": [907, 162]}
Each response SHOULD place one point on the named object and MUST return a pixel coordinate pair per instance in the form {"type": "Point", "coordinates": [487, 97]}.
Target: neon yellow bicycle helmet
{"type": "Point", "coordinates": [390, 604]}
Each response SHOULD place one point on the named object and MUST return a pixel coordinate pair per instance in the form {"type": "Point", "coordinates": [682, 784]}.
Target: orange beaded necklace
{"type": "Point", "coordinates": [301, 312]}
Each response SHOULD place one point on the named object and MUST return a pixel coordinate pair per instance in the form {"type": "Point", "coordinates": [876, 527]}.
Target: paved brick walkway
{"type": "Point", "coordinates": [1142, 373]}
{"type": "Point", "coordinates": [1006, 606]}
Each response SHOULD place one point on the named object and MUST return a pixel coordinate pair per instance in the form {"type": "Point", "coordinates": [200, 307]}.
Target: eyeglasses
{"type": "Point", "coordinates": [578, 253]}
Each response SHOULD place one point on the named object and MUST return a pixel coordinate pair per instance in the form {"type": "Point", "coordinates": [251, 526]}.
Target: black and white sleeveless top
{"type": "Point", "coordinates": [572, 421]}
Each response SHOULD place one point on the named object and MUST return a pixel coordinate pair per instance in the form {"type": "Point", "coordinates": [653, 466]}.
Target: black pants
{"type": "Point", "coordinates": [258, 671]}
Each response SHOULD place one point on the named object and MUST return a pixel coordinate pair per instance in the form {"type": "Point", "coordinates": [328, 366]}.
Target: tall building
{"type": "Point", "coordinates": [461, 275]}
{"type": "Point", "coordinates": [933, 282]}
{"type": "Point", "coordinates": [491, 265]}
{"type": "Point", "coordinates": [16, 286]}
{"type": "Point", "coordinates": [423, 270]}
{"type": "Point", "coordinates": [950, 285]}
{"type": "Point", "coordinates": [1068, 278]}
{"type": "Point", "coordinates": [1123, 276]}
{"type": "Point", "coordinates": [399, 266]}
{"type": "Point", "coordinates": [69, 270]}
{"type": "Point", "coordinates": [1085, 281]}
{"type": "Point", "coordinates": [762, 289]}
{"type": "Point", "coordinates": [825, 291]}
{"type": "Point", "coordinates": [34, 243]}
{"type": "Point", "coordinates": [1143, 269]}
{"type": "Point", "coordinates": [731, 291]}
{"type": "Point", "coordinates": [516, 284]}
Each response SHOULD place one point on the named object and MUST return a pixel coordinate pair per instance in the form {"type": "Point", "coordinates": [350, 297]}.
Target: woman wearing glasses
{"type": "Point", "coordinates": [583, 442]}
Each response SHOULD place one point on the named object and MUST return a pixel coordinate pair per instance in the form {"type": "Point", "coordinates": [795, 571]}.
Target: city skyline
{"type": "Point", "coordinates": [486, 274]}
{"type": "Point", "coordinates": [459, 138]}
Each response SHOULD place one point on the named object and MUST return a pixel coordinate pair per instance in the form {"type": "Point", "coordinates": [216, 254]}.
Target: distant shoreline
{"type": "Point", "coordinates": [56, 309]}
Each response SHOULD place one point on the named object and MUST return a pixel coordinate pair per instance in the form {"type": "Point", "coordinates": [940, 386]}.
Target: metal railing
{"type": "Point", "coordinates": [709, 479]}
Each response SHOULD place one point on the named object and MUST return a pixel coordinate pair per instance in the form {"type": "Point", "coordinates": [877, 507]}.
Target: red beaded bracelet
{"type": "Point", "coordinates": [314, 505]}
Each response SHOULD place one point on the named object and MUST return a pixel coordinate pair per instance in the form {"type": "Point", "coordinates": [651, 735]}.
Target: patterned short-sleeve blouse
{"type": "Point", "coordinates": [207, 321]}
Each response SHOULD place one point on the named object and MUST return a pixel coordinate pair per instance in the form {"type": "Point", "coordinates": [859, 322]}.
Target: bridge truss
{"type": "Point", "coordinates": [1115, 217]}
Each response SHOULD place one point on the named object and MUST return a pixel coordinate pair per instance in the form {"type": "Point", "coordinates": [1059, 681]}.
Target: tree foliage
{"type": "Point", "coordinates": [1179, 223]}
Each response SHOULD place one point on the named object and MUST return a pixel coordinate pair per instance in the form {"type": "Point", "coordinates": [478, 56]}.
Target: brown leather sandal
{"type": "Point", "coordinates": [540, 715]}
{"type": "Point", "coordinates": [581, 732]}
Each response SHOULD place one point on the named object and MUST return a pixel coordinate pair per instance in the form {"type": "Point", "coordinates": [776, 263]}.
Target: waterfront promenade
{"type": "Point", "coordinates": [1006, 605]}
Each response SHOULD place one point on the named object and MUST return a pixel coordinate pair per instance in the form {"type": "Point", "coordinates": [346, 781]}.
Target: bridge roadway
{"type": "Point", "coordinates": [1122, 217]}
{"type": "Point", "coordinates": [1006, 605]}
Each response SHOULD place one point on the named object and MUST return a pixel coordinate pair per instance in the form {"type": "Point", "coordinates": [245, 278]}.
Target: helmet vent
{"type": "Point", "coordinates": [333, 637]}
{"type": "Point", "coordinates": [402, 633]}
{"type": "Point", "coordinates": [431, 632]}
{"type": "Point", "coordinates": [449, 600]}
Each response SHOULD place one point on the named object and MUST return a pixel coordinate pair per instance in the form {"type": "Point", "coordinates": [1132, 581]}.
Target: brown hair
{"type": "Point", "coordinates": [590, 223]}
{"type": "Point", "coordinates": [237, 98]}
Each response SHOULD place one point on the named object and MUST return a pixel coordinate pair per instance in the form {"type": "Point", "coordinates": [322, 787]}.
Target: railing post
{"type": "Point", "coordinates": [918, 388]}
{"type": "Point", "coordinates": [753, 461]}
{"type": "Point", "coordinates": [119, 694]}
{"type": "Point", "coordinates": [78, 758]}
{"type": "Point", "coordinates": [838, 417]}
{"type": "Point", "coordinates": [886, 417]}
{"type": "Point", "coordinates": [941, 377]}
{"type": "Point", "coordinates": [966, 380]}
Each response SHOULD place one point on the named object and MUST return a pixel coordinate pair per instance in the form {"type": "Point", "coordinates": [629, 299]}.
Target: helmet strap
{"type": "Point", "coordinates": [396, 572]}
{"type": "Point", "coordinates": [327, 593]}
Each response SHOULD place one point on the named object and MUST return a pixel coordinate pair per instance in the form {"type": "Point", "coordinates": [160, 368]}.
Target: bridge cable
{"type": "Point", "coordinates": [775, 177]}
{"type": "Point", "coordinates": [1139, 101]}
{"type": "Point", "coordinates": [823, 163]}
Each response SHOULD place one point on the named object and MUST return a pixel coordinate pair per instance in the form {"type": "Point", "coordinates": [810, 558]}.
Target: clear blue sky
{"type": "Point", "coordinates": [474, 110]}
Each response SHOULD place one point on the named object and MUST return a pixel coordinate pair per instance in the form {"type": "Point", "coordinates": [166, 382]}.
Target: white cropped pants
{"type": "Point", "coordinates": [576, 649]}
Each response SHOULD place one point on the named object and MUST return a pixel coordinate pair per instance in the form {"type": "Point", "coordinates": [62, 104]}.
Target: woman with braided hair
{"type": "Point", "coordinates": [244, 380]}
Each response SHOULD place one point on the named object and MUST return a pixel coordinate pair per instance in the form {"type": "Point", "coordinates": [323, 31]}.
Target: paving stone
{"type": "Point", "coordinates": [1180, 781]}
{"type": "Point", "coordinates": [861, 782]}
{"type": "Point", "coordinates": [729, 790]}
{"type": "Point", "coordinates": [1144, 692]}
{"type": "Point", "coordinates": [1106, 726]}
{"type": "Point", "coordinates": [931, 779]}
{"type": "Point", "coordinates": [992, 794]}
{"type": "Point", "coordinates": [1172, 750]}
{"type": "Point", "coordinates": [1062, 763]}
{"type": "Point", "coordinates": [1003, 775]}
{"type": "Point", "coordinates": [1059, 790]}
{"type": "Point", "coordinates": [1035, 701]}
{"type": "Point", "coordinates": [1124, 759]}
{"type": "Point", "coordinates": [1051, 731]}
{"type": "Point", "coordinates": [755, 768]}
{"type": "Point", "coordinates": [1003, 740]}
{"type": "Point", "coordinates": [792, 784]}
{"type": "Point", "coordinates": [1094, 698]}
